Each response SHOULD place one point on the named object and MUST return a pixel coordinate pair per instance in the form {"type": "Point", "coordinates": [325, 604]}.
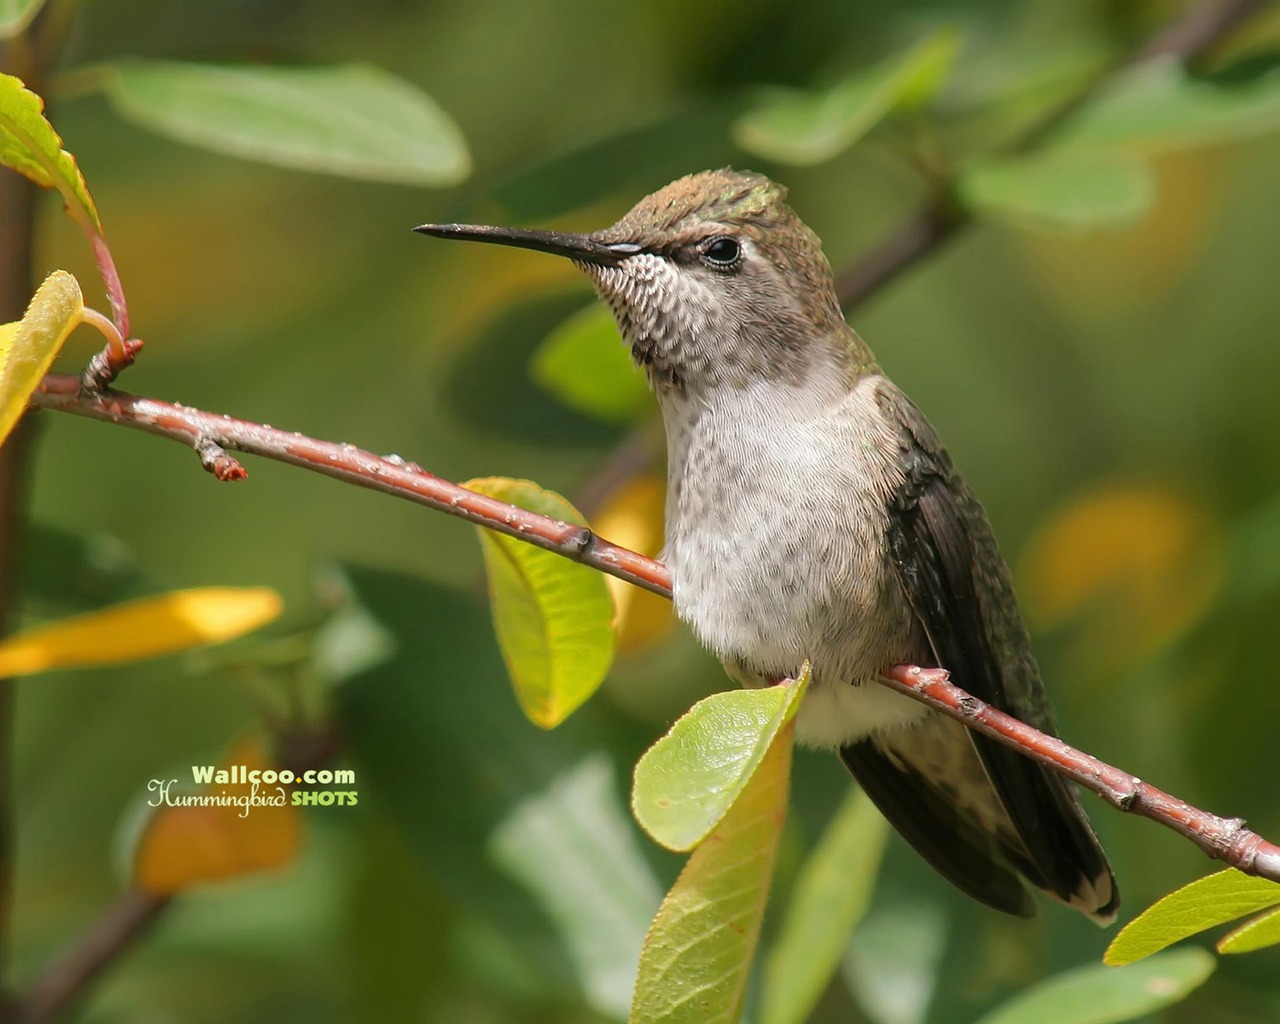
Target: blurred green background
{"type": "Point", "coordinates": [1110, 393]}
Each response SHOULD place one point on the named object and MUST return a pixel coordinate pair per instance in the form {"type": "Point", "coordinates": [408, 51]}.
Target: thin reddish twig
{"type": "Point", "coordinates": [213, 436]}
{"type": "Point", "coordinates": [1224, 839]}
{"type": "Point", "coordinates": [1221, 838]}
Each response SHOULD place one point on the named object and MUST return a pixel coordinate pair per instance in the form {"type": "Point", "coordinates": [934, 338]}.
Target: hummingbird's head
{"type": "Point", "coordinates": [714, 282]}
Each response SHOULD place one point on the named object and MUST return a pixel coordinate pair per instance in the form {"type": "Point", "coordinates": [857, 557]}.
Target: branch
{"type": "Point", "coordinates": [1224, 839]}
{"type": "Point", "coordinates": [929, 229]}
{"type": "Point", "coordinates": [25, 57]}
{"type": "Point", "coordinates": [212, 436]}
{"type": "Point", "coordinates": [125, 921]}
{"type": "Point", "coordinates": [1220, 838]}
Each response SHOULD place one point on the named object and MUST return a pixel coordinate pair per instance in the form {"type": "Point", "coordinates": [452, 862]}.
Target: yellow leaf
{"type": "Point", "coordinates": [27, 349]}
{"type": "Point", "coordinates": [146, 628]}
{"type": "Point", "coordinates": [1145, 557]}
{"type": "Point", "coordinates": [182, 846]}
{"type": "Point", "coordinates": [633, 518]}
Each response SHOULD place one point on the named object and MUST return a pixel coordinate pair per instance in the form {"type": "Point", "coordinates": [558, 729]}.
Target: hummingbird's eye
{"type": "Point", "coordinates": [722, 252]}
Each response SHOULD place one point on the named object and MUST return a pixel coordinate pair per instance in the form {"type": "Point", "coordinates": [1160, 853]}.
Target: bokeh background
{"type": "Point", "coordinates": [1110, 393]}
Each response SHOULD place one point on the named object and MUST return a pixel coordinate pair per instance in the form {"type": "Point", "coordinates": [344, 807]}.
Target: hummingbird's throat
{"type": "Point", "coordinates": [666, 320]}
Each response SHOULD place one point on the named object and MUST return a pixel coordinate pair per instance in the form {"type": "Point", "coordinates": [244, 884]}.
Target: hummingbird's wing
{"type": "Point", "coordinates": [957, 583]}
{"type": "Point", "coordinates": [970, 850]}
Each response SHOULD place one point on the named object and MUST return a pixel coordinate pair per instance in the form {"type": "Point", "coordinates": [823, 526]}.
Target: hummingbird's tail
{"type": "Point", "coordinates": [933, 786]}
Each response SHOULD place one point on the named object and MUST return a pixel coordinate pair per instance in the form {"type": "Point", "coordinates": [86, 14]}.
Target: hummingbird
{"type": "Point", "coordinates": [812, 513]}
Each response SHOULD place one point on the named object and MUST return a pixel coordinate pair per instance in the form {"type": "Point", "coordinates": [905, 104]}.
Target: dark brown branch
{"type": "Point", "coordinates": [925, 233]}
{"type": "Point", "coordinates": [20, 56]}
{"type": "Point", "coordinates": [920, 236]}
{"type": "Point", "coordinates": [633, 455]}
{"type": "Point", "coordinates": [1221, 838]}
{"type": "Point", "coordinates": [1224, 839]}
{"type": "Point", "coordinates": [58, 988]}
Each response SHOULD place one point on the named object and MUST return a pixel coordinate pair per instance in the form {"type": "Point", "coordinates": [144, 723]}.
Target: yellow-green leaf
{"type": "Point", "coordinates": [553, 617]}
{"type": "Point", "coordinates": [1203, 904]}
{"type": "Point", "coordinates": [146, 628]}
{"type": "Point", "coordinates": [698, 953]}
{"type": "Point", "coordinates": [1107, 995]}
{"type": "Point", "coordinates": [585, 364]}
{"type": "Point", "coordinates": [796, 127]}
{"type": "Point", "coordinates": [27, 348]}
{"type": "Point", "coordinates": [16, 15]}
{"type": "Point", "coordinates": [1262, 931]}
{"type": "Point", "coordinates": [30, 146]}
{"type": "Point", "coordinates": [829, 898]}
{"type": "Point", "coordinates": [181, 847]}
{"type": "Point", "coordinates": [687, 781]}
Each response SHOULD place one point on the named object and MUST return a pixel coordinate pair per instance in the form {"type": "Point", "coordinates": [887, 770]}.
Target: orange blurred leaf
{"type": "Point", "coordinates": [182, 846]}
{"type": "Point", "coordinates": [633, 518]}
{"type": "Point", "coordinates": [146, 628]}
{"type": "Point", "coordinates": [1145, 556]}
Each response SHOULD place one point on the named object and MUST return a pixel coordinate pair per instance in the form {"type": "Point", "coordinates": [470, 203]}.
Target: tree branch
{"type": "Point", "coordinates": [1223, 839]}
{"type": "Point", "coordinates": [925, 232]}
{"type": "Point", "coordinates": [122, 924]}
{"type": "Point", "coordinates": [22, 56]}
{"type": "Point", "coordinates": [212, 436]}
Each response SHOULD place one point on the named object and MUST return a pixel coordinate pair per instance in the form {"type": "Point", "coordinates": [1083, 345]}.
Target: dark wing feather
{"type": "Point", "coordinates": [958, 585]}
{"type": "Point", "coordinates": [970, 859]}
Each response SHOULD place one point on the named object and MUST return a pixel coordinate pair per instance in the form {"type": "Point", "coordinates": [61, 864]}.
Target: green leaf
{"type": "Point", "coordinates": [28, 348]}
{"type": "Point", "coordinates": [16, 15]}
{"type": "Point", "coordinates": [1262, 931]}
{"type": "Point", "coordinates": [796, 127]}
{"type": "Point", "coordinates": [31, 147]}
{"type": "Point", "coordinates": [573, 847]}
{"type": "Point", "coordinates": [697, 955]}
{"type": "Point", "coordinates": [1107, 995]}
{"type": "Point", "coordinates": [894, 961]}
{"type": "Point", "coordinates": [830, 896]}
{"type": "Point", "coordinates": [687, 781]}
{"type": "Point", "coordinates": [352, 120]}
{"type": "Point", "coordinates": [1205, 903]}
{"type": "Point", "coordinates": [1059, 189]}
{"type": "Point", "coordinates": [585, 364]}
{"type": "Point", "coordinates": [1159, 107]}
{"type": "Point", "coordinates": [553, 617]}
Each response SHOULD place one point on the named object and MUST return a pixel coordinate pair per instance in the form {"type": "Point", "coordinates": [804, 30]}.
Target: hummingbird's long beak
{"type": "Point", "coordinates": [576, 247]}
